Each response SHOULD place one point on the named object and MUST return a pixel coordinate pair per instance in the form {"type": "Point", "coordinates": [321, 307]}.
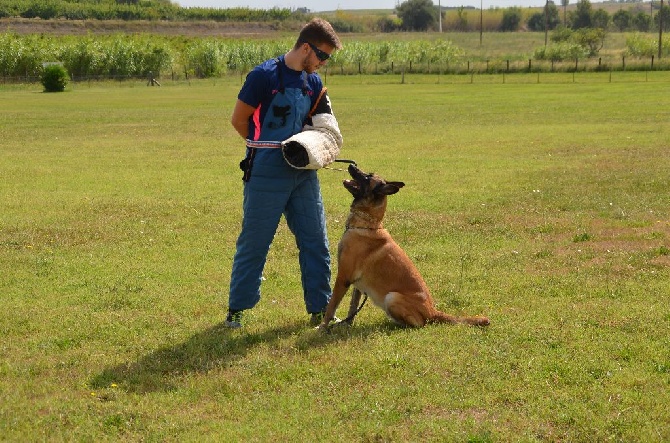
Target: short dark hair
{"type": "Point", "coordinates": [318, 31]}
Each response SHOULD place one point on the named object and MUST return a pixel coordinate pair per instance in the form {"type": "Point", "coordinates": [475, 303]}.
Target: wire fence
{"type": "Point", "coordinates": [486, 71]}
{"type": "Point", "coordinates": [497, 66]}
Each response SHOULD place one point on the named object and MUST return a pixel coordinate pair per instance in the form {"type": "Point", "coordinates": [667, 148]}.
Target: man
{"type": "Point", "coordinates": [276, 101]}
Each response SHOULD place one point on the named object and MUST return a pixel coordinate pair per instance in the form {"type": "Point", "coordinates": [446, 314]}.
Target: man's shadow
{"type": "Point", "coordinates": [215, 347]}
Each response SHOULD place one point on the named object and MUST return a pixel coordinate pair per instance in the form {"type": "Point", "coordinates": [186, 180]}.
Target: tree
{"type": "Point", "coordinates": [561, 34]}
{"type": "Point", "coordinates": [665, 13]}
{"type": "Point", "coordinates": [622, 19]}
{"type": "Point", "coordinates": [462, 19]}
{"type": "Point", "coordinates": [538, 21]}
{"type": "Point", "coordinates": [641, 22]}
{"type": "Point", "coordinates": [591, 39]}
{"type": "Point", "coordinates": [417, 15]}
{"type": "Point", "coordinates": [388, 24]}
{"type": "Point", "coordinates": [581, 17]}
{"type": "Point", "coordinates": [600, 19]}
{"type": "Point", "coordinates": [511, 19]}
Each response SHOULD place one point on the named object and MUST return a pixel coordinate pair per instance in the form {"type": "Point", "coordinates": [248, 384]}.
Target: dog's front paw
{"type": "Point", "coordinates": [342, 323]}
{"type": "Point", "coordinates": [323, 327]}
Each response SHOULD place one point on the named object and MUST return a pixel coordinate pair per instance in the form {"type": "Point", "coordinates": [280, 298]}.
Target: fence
{"type": "Point", "coordinates": [508, 66]}
{"type": "Point", "coordinates": [498, 70]}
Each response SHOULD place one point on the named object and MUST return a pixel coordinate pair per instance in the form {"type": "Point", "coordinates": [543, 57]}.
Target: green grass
{"type": "Point", "coordinates": [543, 206]}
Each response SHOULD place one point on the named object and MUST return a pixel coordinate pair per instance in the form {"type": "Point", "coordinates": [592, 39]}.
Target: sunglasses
{"type": "Point", "coordinates": [321, 55]}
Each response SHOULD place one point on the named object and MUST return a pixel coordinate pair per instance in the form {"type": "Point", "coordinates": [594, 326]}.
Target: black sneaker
{"type": "Point", "coordinates": [233, 320]}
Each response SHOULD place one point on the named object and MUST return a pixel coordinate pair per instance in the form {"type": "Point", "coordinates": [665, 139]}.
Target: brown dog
{"type": "Point", "coordinates": [369, 259]}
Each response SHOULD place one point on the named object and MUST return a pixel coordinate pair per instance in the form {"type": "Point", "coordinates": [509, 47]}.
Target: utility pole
{"type": "Point", "coordinates": [481, 21]}
{"type": "Point", "coordinates": [660, 31]}
{"type": "Point", "coordinates": [565, 7]}
{"type": "Point", "coordinates": [439, 13]}
{"type": "Point", "coordinates": [546, 22]}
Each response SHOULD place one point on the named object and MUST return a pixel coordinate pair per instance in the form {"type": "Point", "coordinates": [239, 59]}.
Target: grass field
{"type": "Point", "coordinates": [543, 206]}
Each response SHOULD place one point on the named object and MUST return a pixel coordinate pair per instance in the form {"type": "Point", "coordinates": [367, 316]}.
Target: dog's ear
{"type": "Point", "coordinates": [391, 188]}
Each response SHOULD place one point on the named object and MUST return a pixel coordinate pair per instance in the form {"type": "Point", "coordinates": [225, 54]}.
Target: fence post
{"type": "Point", "coordinates": [623, 61]}
{"type": "Point", "coordinates": [507, 65]}
{"type": "Point", "coordinates": [530, 67]}
{"type": "Point", "coordinates": [652, 62]}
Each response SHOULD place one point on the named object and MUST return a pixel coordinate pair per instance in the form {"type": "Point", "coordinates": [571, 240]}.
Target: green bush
{"type": "Point", "coordinates": [561, 51]}
{"type": "Point", "coordinates": [54, 78]}
{"type": "Point", "coordinates": [641, 45]}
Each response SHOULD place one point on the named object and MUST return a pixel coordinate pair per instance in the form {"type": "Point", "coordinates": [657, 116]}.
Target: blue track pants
{"type": "Point", "coordinates": [275, 189]}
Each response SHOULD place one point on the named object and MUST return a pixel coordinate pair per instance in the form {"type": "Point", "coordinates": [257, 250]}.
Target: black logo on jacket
{"type": "Point", "coordinates": [280, 113]}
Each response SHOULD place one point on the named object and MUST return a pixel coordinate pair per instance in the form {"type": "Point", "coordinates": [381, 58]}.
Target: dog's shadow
{"type": "Point", "coordinates": [215, 347]}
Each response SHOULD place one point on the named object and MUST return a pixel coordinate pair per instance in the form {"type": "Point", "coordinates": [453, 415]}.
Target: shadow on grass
{"type": "Point", "coordinates": [214, 348]}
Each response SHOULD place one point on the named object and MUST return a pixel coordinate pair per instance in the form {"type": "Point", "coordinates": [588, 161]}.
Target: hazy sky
{"type": "Point", "coordinates": [331, 5]}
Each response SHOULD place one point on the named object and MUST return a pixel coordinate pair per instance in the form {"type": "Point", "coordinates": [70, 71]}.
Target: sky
{"type": "Point", "coordinates": [331, 5]}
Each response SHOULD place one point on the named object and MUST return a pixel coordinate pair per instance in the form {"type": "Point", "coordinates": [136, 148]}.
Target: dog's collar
{"type": "Point", "coordinates": [362, 227]}
{"type": "Point", "coordinates": [365, 217]}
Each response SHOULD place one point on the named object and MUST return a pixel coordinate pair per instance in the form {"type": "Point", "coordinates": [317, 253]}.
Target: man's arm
{"type": "Point", "coordinates": [319, 144]}
{"type": "Point", "coordinates": [322, 105]}
{"type": "Point", "coordinates": [240, 118]}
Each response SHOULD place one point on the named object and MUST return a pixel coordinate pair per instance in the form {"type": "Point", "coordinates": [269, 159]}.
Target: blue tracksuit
{"type": "Point", "coordinates": [283, 99]}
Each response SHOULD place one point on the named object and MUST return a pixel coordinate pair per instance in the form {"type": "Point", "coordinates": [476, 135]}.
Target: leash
{"type": "Point", "coordinates": [351, 317]}
{"type": "Point", "coordinates": [351, 162]}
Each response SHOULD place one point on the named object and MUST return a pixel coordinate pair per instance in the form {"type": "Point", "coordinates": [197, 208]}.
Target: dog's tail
{"type": "Point", "coordinates": [441, 317]}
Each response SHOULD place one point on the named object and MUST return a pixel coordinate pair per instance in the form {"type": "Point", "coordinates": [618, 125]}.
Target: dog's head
{"type": "Point", "coordinates": [369, 187]}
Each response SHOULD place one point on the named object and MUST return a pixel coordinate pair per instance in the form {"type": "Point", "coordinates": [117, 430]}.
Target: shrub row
{"type": "Point", "coordinates": [118, 56]}
{"type": "Point", "coordinates": [135, 10]}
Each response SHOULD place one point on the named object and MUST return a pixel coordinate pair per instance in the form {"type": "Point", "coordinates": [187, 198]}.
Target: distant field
{"type": "Point", "coordinates": [543, 206]}
{"type": "Point", "coordinates": [490, 15]}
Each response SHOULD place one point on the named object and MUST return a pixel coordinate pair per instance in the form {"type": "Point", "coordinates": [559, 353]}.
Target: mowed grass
{"type": "Point", "coordinates": [543, 206]}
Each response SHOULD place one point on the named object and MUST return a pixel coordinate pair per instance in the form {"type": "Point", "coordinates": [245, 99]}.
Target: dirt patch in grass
{"type": "Point", "coordinates": [190, 29]}
{"type": "Point", "coordinates": [622, 248]}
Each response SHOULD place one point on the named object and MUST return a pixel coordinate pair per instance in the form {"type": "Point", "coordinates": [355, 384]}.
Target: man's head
{"type": "Point", "coordinates": [316, 42]}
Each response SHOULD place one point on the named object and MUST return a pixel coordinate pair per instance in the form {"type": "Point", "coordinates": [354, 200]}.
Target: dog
{"type": "Point", "coordinates": [370, 260]}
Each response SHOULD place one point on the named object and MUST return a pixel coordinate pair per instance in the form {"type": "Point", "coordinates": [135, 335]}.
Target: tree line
{"type": "Point", "coordinates": [422, 15]}
{"type": "Point", "coordinates": [585, 16]}
{"type": "Point", "coordinates": [136, 10]}
{"type": "Point", "coordinates": [410, 15]}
